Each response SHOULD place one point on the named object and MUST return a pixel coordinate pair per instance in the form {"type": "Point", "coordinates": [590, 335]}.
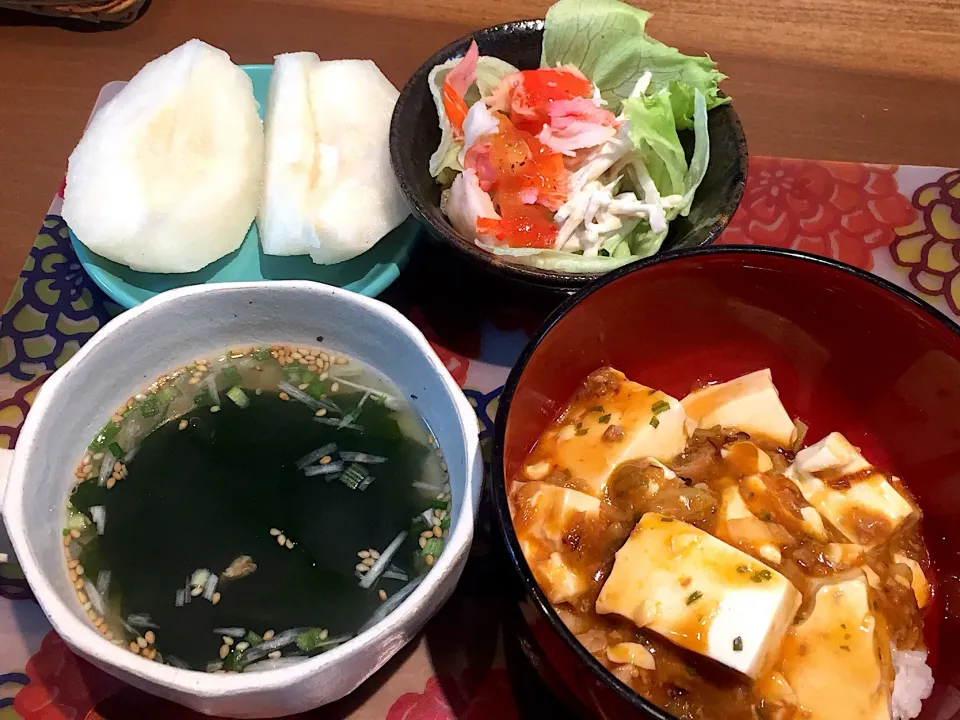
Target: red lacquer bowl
{"type": "Point", "coordinates": [849, 352]}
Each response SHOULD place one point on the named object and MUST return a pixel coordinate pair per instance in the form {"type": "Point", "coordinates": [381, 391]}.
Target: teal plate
{"type": "Point", "coordinates": [368, 274]}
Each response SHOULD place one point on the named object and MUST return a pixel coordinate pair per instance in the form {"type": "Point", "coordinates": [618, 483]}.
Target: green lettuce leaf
{"type": "Point", "coordinates": [653, 132]}
{"type": "Point", "coordinates": [490, 71]}
{"type": "Point", "coordinates": [701, 154]}
{"type": "Point", "coordinates": [607, 40]}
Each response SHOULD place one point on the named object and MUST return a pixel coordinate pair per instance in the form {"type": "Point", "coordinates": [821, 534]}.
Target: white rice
{"type": "Point", "coordinates": [912, 683]}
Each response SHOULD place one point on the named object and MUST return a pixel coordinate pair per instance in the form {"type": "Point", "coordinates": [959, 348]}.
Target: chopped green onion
{"type": "Point", "coordinates": [115, 450]}
{"type": "Point", "coordinates": [743, 569]}
{"type": "Point", "coordinates": [761, 576]}
{"type": "Point", "coordinates": [261, 354]}
{"type": "Point", "coordinates": [439, 504]}
{"type": "Point", "coordinates": [579, 425]}
{"type": "Point", "coordinates": [149, 407]}
{"type": "Point", "coordinates": [693, 597]}
{"type": "Point", "coordinates": [595, 408]}
{"type": "Point", "coordinates": [314, 455]}
{"type": "Point", "coordinates": [238, 396]}
{"type": "Point", "coordinates": [738, 644]}
{"type": "Point", "coordinates": [445, 523]}
{"type": "Point", "coordinates": [581, 432]}
{"type": "Point", "coordinates": [106, 435]}
{"type": "Point", "coordinates": [604, 418]}
{"type": "Point", "coordinates": [651, 391]}
{"type": "Point", "coordinates": [434, 546]}
{"type": "Point", "coordinates": [203, 399]}
{"type": "Point", "coordinates": [356, 477]}
{"type": "Point", "coordinates": [252, 637]}
{"type": "Point", "coordinates": [311, 640]}
{"type": "Point", "coordinates": [168, 393]}
{"type": "Point", "coordinates": [231, 374]}
{"type": "Point", "coordinates": [307, 377]}
{"type": "Point", "coordinates": [318, 388]}
{"type": "Point", "coordinates": [766, 516]}
{"type": "Point", "coordinates": [666, 519]}
{"type": "Point", "coordinates": [654, 422]}
{"type": "Point", "coordinates": [660, 406]}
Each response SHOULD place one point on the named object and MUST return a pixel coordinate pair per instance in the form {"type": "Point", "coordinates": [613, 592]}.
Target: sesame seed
{"type": "Point", "coordinates": [111, 481]}
{"type": "Point", "coordinates": [142, 642]}
{"type": "Point", "coordinates": [429, 559]}
{"type": "Point", "coordinates": [66, 540]}
{"type": "Point", "coordinates": [224, 651]}
{"type": "Point", "coordinates": [361, 567]}
{"type": "Point", "coordinates": [81, 597]}
{"type": "Point", "coordinates": [98, 622]}
{"type": "Point", "coordinates": [258, 391]}
{"type": "Point", "coordinates": [320, 413]}
{"type": "Point", "coordinates": [325, 459]}
{"type": "Point", "coordinates": [150, 653]}
{"type": "Point", "coordinates": [297, 355]}
{"type": "Point", "coordinates": [117, 466]}
{"type": "Point", "coordinates": [382, 595]}
{"type": "Point", "coordinates": [268, 635]}
{"type": "Point", "coordinates": [289, 544]}
{"type": "Point", "coordinates": [423, 542]}
{"type": "Point", "coordinates": [274, 532]}
{"type": "Point", "coordinates": [150, 637]}
{"type": "Point", "coordinates": [214, 408]}
{"type": "Point", "coordinates": [437, 532]}
{"type": "Point", "coordinates": [369, 561]}
{"type": "Point", "coordinates": [87, 605]}
{"type": "Point", "coordinates": [195, 592]}
{"type": "Point", "coordinates": [443, 466]}
{"type": "Point", "coordinates": [72, 563]}
{"type": "Point", "coordinates": [183, 424]}
{"type": "Point", "coordinates": [241, 646]}
{"type": "Point", "coordinates": [134, 648]}
{"type": "Point", "coordinates": [74, 533]}
{"type": "Point", "coordinates": [227, 640]}
{"type": "Point", "coordinates": [108, 634]}
{"type": "Point", "coordinates": [215, 599]}
{"type": "Point", "coordinates": [98, 456]}
{"type": "Point", "coordinates": [284, 396]}
{"type": "Point", "coordinates": [436, 514]}
{"type": "Point", "coordinates": [342, 361]}
{"type": "Point", "coordinates": [87, 469]}
{"type": "Point", "coordinates": [73, 576]}
{"type": "Point", "coordinates": [274, 655]}
{"type": "Point", "coordinates": [426, 533]}
{"type": "Point", "coordinates": [439, 452]}
{"type": "Point", "coordinates": [303, 386]}
{"type": "Point", "coordinates": [363, 554]}
{"type": "Point", "coordinates": [194, 380]}
{"type": "Point", "coordinates": [335, 387]}
{"type": "Point", "coordinates": [79, 569]}
{"type": "Point", "coordinates": [281, 539]}
{"type": "Point", "coordinates": [324, 376]}
{"type": "Point", "coordinates": [117, 419]}
{"type": "Point", "coordinates": [78, 585]}
{"type": "Point", "coordinates": [440, 496]}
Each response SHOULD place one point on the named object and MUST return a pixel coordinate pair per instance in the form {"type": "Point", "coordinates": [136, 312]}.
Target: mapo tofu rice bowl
{"type": "Point", "coordinates": [730, 540]}
{"type": "Point", "coordinates": [716, 557]}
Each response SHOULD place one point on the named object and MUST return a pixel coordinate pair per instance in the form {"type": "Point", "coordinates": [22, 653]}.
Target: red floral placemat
{"type": "Point", "coordinates": [902, 223]}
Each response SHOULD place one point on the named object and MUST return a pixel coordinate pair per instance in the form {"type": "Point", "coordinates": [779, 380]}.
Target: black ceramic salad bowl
{"type": "Point", "coordinates": [415, 134]}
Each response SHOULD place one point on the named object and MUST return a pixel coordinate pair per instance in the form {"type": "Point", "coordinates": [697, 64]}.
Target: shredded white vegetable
{"type": "Point", "coordinates": [300, 396]}
{"type": "Point", "coordinates": [327, 469]}
{"type": "Point", "coordinates": [211, 383]}
{"type": "Point", "coordinates": [106, 467]}
{"type": "Point", "coordinates": [234, 632]}
{"type": "Point", "coordinates": [103, 583]}
{"type": "Point", "coordinates": [390, 604]}
{"type": "Point", "coordinates": [371, 576]}
{"type": "Point", "coordinates": [210, 587]}
{"type": "Point", "coordinates": [142, 620]}
{"type": "Point", "coordinates": [98, 513]}
{"type": "Point", "coordinates": [336, 423]}
{"type": "Point", "coordinates": [311, 457]}
{"type": "Point", "coordinates": [360, 457]}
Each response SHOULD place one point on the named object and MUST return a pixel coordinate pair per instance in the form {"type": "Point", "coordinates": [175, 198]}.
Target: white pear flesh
{"type": "Point", "coordinates": [167, 177]}
{"type": "Point", "coordinates": [328, 189]}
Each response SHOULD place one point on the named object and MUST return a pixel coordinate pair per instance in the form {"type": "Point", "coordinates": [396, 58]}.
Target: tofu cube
{"type": "Point", "coordinates": [601, 430]}
{"type": "Point", "coordinates": [542, 516]}
{"type": "Point", "coordinates": [700, 593]}
{"type": "Point", "coordinates": [741, 528]}
{"type": "Point", "coordinates": [837, 661]}
{"type": "Point", "coordinates": [749, 403]}
{"type": "Point", "coordinates": [848, 492]}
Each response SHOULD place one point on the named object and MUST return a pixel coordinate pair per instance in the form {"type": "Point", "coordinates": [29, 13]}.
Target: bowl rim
{"type": "Point", "coordinates": [553, 279]}
{"type": "Point", "coordinates": [498, 479]}
{"type": "Point", "coordinates": [190, 683]}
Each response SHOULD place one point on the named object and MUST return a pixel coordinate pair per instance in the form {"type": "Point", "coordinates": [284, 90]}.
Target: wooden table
{"type": "Point", "coordinates": [831, 79]}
